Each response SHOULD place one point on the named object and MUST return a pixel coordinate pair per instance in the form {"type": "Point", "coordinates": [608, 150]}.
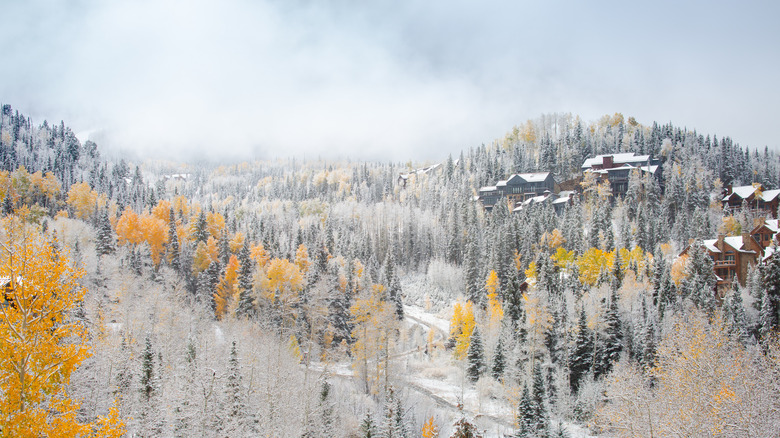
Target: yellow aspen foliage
{"type": "Point", "coordinates": [82, 199]}
{"type": "Point", "coordinates": [181, 205]}
{"type": "Point", "coordinates": [530, 273]}
{"type": "Point", "coordinates": [201, 259]}
{"type": "Point", "coordinates": [227, 289]}
{"type": "Point", "coordinates": [215, 223]}
{"type": "Point", "coordinates": [518, 261]}
{"type": "Point", "coordinates": [678, 271]}
{"type": "Point", "coordinates": [236, 242]}
{"type": "Point", "coordinates": [280, 284]}
{"type": "Point", "coordinates": [457, 320]}
{"type": "Point", "coordinates": [374, 323]}
{"type": "Point", "coordinates": [553, 239]}
{"type": "Point", "coordinates": [494, 304]}
{"type": "Point", "coordinates": [259, 254]}
{"type": "Point", "coordinates": [302, 259]}
{"type": "Point", "coordinates": [155, 233]}
{"type": "Point", "coordinates": [162, 211]}
{"type": "Point", "coordinates": [212, 248]}
{"type": "Point", "coordinates": [463, 329]}
{"type": "Point", "coordinates": [563, 258]}
{"type": "Point", "coordinates": [430, 429]}
{"type": "Point", "coordinates": [42, 344]}
{"type": "Point", "coordinates": [295, 348]}
{"type": "Point", "coordinates": [128, 228]}
{"type": "Point", "coordinates": [592, 263]}
{"type": "Point", "coordinates": [731, 226]}
{"type": "Point", "coordinates": [635, 256]}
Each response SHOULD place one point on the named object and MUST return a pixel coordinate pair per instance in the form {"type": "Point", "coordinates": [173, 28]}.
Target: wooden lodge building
{"type": "Point", "coordinates": [753, 197]}
{"type": "Point", "coordinates": [517, 188]}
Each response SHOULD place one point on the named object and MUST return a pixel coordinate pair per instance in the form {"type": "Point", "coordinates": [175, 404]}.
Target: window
{"type": "Point", "coordinates": [730, 256]}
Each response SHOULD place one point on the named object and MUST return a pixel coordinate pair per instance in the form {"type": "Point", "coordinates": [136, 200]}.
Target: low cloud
{"type": "Point", "coordinates": [240, 79]}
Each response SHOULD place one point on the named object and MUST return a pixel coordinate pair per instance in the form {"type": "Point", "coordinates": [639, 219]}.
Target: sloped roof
{"type": "Point", "coordinates": [770, 195]}
{"type": "Point", "coordinates": [741, 191]}
{"type": "Point", "coordinates": [487, 189]}
{"type": "Point", "coordinates": [736, 243]}
{"type": "Point", "coordinates": [710, 244]}
{"type": "Point", "coordinates": [534, 177]}
{"type": "Point", "coordinates": [773, 225]}
{"type": "Point", "coordinates": [628, 157]}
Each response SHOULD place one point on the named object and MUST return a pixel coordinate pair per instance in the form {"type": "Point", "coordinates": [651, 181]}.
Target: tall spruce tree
{"type": "Point", "coordinates": [581, 360]}
{"type": "Point", "coordinates": [475, 356]}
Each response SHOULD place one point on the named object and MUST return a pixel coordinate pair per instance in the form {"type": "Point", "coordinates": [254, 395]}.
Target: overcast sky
{"type": "Point", "coordinates": [382, 79]}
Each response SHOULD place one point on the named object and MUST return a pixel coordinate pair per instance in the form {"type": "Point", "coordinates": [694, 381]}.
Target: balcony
{"type": "Point", "coordinates": [725, 263]}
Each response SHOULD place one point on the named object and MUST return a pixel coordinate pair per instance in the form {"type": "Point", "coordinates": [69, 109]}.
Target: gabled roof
{"type": "Point", "coordinates": [711, 246]}
{"type": "Point", "coordinates": [534, 177]}
{"type": "Point", "coordinates": [743, 192]}
{"type": "Point", "coordinates": [628, 157]}
{"type": "Point", "coordinates": [736, 243]}
{"type": "Point", "coordinates": [770, 195]}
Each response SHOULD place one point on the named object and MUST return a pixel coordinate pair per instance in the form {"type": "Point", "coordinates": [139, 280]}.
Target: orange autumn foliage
{"type": "Point", "coordinates": [39, 354]}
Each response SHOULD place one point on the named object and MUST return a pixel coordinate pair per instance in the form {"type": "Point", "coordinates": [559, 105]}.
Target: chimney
{"type": "Point", "coordinates": [607, 162]}
{"type": "Point", "coordinates": [720, 244]}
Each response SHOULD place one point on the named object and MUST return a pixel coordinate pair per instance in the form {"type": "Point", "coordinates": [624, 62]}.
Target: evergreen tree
{"type": "Point", "coordinates": [147, 370]}
{"type": "Point", "coordinates": [499, 361]}
{"type": "Point", "coordinates": [582, 357]}
{"type": "Point", "coordinates": [770, 304]}
{"type": "Point", "coordinates": [526, 420]}
{"type": "Point", "coordinates": [367, 427]}
{"type": "Point", "coordinates": [104, 243]}
{"type": "Point", "coordinates": [539, 402]}
{"type": "Point", "coordinates": [699, 286]}
{"type": "Point", "coordinates": [173, 242]}
{"type": "Point", "coordinates": [613, 337]}
{"type": "Point", "coordinates": [475, 356]}
{"type": "Point", "coordinates": [464, 429]}
{"type": "Point", "coordinates": [394, 425]}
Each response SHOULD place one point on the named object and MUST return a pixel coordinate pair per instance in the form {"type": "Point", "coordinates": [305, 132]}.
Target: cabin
{"type": "Point", "coordinates": [752, 197]}
{"type": "Point", "coordinates": [616, 169]}
{"type": "Point", "coordinates": [517, 188]}
{"type": "Point", "coordinates": [732, 255]}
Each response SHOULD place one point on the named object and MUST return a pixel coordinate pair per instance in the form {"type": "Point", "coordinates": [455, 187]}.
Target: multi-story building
{"type": "Point", "coordinates": [517, 188]}
{"type": "Point", "coordinates": [753, 197]}
{"type": "Point", "coordinates": [616, 168]}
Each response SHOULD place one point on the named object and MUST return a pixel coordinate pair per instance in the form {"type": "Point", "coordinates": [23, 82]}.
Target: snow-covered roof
{"type": "Point", "coordinates": [535, 177]}
{"type": "Point", "coordinates": [628, 157]}
{"type": "Point", "coordinates": [561, 200]}
{"type": "Point", "coordinates": [487, 189]}
{"type": "Point", "coordinates": [768, 252]}
{"type": "Point", "coordinates": [770, 195]}
{"type": "Point", "coordinates": [651, 169]}
{"type": "Point", "coordinates": [773, 225]}
{"type": "Point", "coordinates": [501, 184]}
{"type": "Point", "coordinates": [736, 243]}
{"type": "Point", "coordinates": [711, 246]}
{"type": "Point", "coordinates": [741, 191]}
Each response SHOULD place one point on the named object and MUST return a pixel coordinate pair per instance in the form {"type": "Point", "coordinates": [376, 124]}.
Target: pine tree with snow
{"type": "Point", "coordinates": [173, 242]}
{"type": "Point", "coordinates": [539, 402]}
{"type": "Point", "coordinates": [770, 305]}
{"type": "Point", "coordinates": [475, 356]}
{"type": "Point", "coordinates": [582, 357]}
{"type": "Point", "coordinates": [464, 429]}
{"type": "Point", "coordinates": [613, 336]}
{"type": "Point", "coordinates": [699, 286]}
{"type": "Point", "coordinates": [393, 425]}
{"type": "Point", "coordinates": [473, 278]}
{"type": "Point", "coordinates": [499, 360]}
{"type": "Point", "coordinates": [147, 370]}
{"type": "Point", "coordinates": [526, 419]}
{"type": "Point", "coordinates": [368, 427]}
{"type": "Point", "coordinates": [104, 243]}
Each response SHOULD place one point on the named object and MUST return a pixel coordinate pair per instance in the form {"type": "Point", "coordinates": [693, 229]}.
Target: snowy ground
{"type": "Point", "coordinates": [436, 377]}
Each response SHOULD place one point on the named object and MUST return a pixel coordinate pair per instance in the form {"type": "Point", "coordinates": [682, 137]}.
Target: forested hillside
{"type": "Point", "coordinates": [312, 298]}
